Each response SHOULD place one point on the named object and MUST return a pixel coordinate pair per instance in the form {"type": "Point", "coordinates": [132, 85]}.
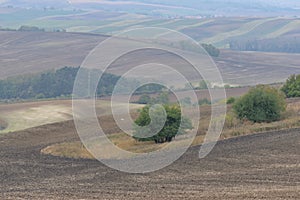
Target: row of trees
{"type": "Point", "coordinates": [26, 28]}
{"type": "Point", "coordinates": [162, 98]}
{"type": "Point", "coordinates": [49, 84]}
{"type": "Point", "coordinates": [211, 50]}
{"type": "Point", "coordinates": [31, 29]}
{"type": "Point", "coordinates": [283, 44]}
{"type": "Point", "coordinates": [59, 83]}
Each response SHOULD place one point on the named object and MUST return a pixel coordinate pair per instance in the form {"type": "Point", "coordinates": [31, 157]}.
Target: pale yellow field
{"type": "Point", "coordinates": [20, 116]}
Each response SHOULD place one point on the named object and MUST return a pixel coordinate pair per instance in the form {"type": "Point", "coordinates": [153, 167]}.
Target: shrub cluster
{"type": "Point", "coordinates": [292, 86]}
{"type": "Point", "coordinates": [261, 104]}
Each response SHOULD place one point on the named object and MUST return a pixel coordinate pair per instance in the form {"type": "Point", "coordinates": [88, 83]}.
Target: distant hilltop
{"type": "Point", "coordinates": [172, 7]}
{"type": "Point", "coordinates": [35, 3]}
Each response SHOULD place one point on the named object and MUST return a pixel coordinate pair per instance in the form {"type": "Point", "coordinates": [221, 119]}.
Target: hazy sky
{"type": "Point", "coordinates": [188, 4]}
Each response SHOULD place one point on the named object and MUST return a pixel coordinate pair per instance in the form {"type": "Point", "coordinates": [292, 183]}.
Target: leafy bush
{"type": "Point", "coordinates": [261, 104]}
{"type": "Point", "coordinates": [292, 87]}
{"type": "Point", "coordinates": [174, 124]}
{"type": "Point", "coordinates": [231, 100]}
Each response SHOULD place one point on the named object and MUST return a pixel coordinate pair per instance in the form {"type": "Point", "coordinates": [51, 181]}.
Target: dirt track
{"type": "Point", "coordinates": [263, 166]}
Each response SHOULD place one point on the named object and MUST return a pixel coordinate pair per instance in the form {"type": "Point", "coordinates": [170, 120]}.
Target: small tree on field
{"type": "Point", "coordinates": [261, 104]}
{"type": "Point", "coordinates": [211, 50]}
{"type": "Point", "coordinates": [175, 124]}
{"type": "Point", "coordinates": [292, 86]}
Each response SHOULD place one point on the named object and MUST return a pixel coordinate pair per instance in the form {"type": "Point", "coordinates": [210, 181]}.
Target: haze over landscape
{"type": "Point", "coordinates": [149, 99]}
{"type": "Point", "coordinates": [177, 7]}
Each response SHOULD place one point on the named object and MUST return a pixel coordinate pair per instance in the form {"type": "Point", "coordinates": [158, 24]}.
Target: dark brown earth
{"type": "Point", "coordinates": [262, 166]}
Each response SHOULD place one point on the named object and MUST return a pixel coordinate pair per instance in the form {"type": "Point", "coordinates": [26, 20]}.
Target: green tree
{"type": "Point", "coordinates": [292, 86]}
{"type": "Point", "coordinates": [261, 104]}
{"type": "Point", "coordinates": [231, 100]}
{"type": "Point", "coordinates": [211, 50]}
{"type": "Point", "coordinates": [174, 124]}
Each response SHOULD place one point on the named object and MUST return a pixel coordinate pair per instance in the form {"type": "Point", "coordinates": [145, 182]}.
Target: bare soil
{"type": "Point", "coordinates": [48, 51]}
{"type": "Point", "coordinates": [261, 166]}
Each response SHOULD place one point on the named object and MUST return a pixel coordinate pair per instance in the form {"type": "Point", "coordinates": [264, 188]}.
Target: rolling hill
{"type": "Point", "coordinates": [173, 7]}
{"type": "Point", "coordinates": [31, 52]}
{"type": "Point", "coordinates": [219, 31]}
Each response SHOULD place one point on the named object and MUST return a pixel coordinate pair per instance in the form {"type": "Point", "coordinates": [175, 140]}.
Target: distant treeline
{"type": "Point", "coordinates": [33, 29]}
{"type": "Point", "coordinates": [59, 83]}
{"type": "Point", "coordinates": [211, 50]}
{"type": "Point", "coordinates": [282, 44]}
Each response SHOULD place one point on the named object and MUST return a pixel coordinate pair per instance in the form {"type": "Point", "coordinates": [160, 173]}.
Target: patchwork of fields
{"type": "Point", "coordinates": [217, 31]}
{"type": "Point", "coordinates": [42, 156]}
{"type": "Point", "coordinates": [34, 52]}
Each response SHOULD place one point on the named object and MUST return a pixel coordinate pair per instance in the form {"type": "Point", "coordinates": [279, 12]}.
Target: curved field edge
{"type": "Point", "coordinates": [233, 128]}
{"type": "Point", "coordinates": [86, 22]}
{"type": "Point", "coordinates": [263, 166]}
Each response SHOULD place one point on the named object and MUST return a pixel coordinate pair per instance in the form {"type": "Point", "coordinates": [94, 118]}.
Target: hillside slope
{"type": "Point", "coordinates": [32, 52]}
